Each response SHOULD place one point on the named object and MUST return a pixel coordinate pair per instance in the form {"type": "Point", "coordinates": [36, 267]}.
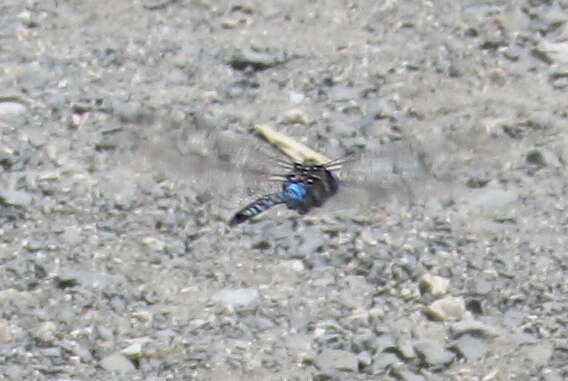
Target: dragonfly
{"type": "Point", "coordinates": [304, 187]}
{"type": "Point", "coordinates": [227, 164]}
{"type": "Point", "coordinates": [309, 185]}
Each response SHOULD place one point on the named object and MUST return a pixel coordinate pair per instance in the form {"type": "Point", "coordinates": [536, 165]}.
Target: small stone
{"type": "Point", "coordinates": [117, 362]}
{"type": "Point", "coordinates": [294, 265]}
{"type": "Point", "coordinates": [255, 59]}
{"type": "Point", "coordinates": [229, 22]}
{"type": "Point", "coordinates": [299, 344]}
{"type": "Point", "coordinates": [407, 375]}
{"type": "Point", "coordinates": [135, 350]}
{"type": "Point", "coordinates": [405, 348]}
{"type": "Point", "coordinates": [552, 52]}
{"type": "Point", "coordinates": [470, 347]}
{"type": "Point", "coordinates": [333, 359]}
{"type": "Point", "coordinates": [447, 309]}
{"type": "Point", "coordinates": [558, 75]}
{"type": "Point", "coordinates": [15, 197]}
{"type": "Point", "coordinates": [105, 333]}
{"type": "Point", "coordinates": [472, 327]}
{"type": "Point", "coordinates": [239, 297]}
{"type": "Point", "coordinates": [342, 93]}
{"type": "Point", "coordinates": [384, 343]}
{"type": "Point", "coordinates": [513, 318]}
{"type": "Point", "coordinates": [5, 334]}
{"type": "Point", "coordinates": [154, 243]}
{"type": "Point", "coordinates": [10, 111]}
{"type": "Point", "coordinates": [296, 98]}
{"type": "Point", "coordinates": [542, 157]}
{"type": "Point", "coordinates": [297, 116]}
{"type": "Point", "coordinates": [77, 120]}
{"type": "Point", "coordinates": [433, 352]}
{"type": "Point", "coordinates": [384, 360]}
{"type": "Point", "coordinates": [142, 315]}
{"type": "Point", "coordinates": [435, 285]}
{"type": "Point", "coordinates": [89, 279]}
{"type": "Point", "coordinates": [51, 352]}
{"type": "Point", "coordinates": [80, 349]}
{"type": "Point", "coordinates": [156, 4]}
{"type": "Point", "coordinates": [365, 359]}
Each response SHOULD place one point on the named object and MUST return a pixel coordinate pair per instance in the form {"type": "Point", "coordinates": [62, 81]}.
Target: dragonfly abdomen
{"type": "Point", "coordinates": [262, 204]}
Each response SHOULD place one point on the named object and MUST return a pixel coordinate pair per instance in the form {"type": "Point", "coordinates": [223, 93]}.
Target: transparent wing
{"type": "Point", "coordinates": [396, 172]}
{"type": "Point", "coordinates": [230, 167]}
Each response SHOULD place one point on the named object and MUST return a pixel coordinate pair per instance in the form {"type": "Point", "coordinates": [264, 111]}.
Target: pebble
{"type": "Point", "coordinates": [330, 360]}
{"type": "Point", "coordinates": [89, 279]}
{"type": "Point", "coordinates": [51, 352]}
{"type": "Point", "coordinates": [406, 375]}
{"type": "Point", "coordinates": [156, 4]}
{"type": "Point", "coordinates": [5, 334]}
{"type": "Point", "coordinates": [552, 52]}
{"type": "Point", "coordinates": [470, 347]}
{"type": "Point", "coordinates": [80, 349]}
{"type": "Point", "coordinates": [405, 347]}
{"type": "Point", "coordinates": [15, 197]}
{"type": "Point", "coordinates": [12, 111]}
{"type": "Point", "coordinates": [365, 358]}
{"type": "Point", "coordinates": [253, 58]}
{"type": "Point", "coordinates": [130, 112]}
{"type": "Point", "coordinates": [299, 343]}
{"type": "Point", "coordinates": [105, 333]}
{"type": "Point", "coordinates": [384, 360]}
{"type": "Point", "coordinates": [296, 97]}
{"type": "Point", "coordinates": [472, 327]}
{"type": "Point", "coordinates": [340, 93]}
{"type": "Point", "coordinates": [559, 76]}
{"type": "Point", "coordinates": [384, 342]}
{"type": "Point", "coordinates": [435, 285]}
{"type": "Point", "coordinates": [237, 297]}
{"type": "Point", "coordinates": [297, 116]}
{"type": "Point", "coordinates": [135, 350]}
{"type": "Point", "coordinates": [117, 362]}
{"type": "Point", "coordinates": [447, 309]}
{"type": "Point", "coordinates": [433, 352]}
{"type": "Point", "coordinates": [154, 243]}
{"type": "Point", "coordinates": [542, 157]}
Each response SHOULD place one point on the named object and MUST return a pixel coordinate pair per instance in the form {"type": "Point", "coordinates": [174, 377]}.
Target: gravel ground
{"type": "Point", "coordinates": [117, 263]}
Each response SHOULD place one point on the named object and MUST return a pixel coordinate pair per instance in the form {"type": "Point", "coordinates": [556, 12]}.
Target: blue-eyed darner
{"type": "Point", "coordinates": [304, 187]}
{"type": "Point", "coordinates": [234, 167]}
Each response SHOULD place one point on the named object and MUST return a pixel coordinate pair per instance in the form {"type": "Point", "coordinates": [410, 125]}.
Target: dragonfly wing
{"type": "Point", "coordinates": [228, 166]}
{"type": "Point", "coordinates": [392, 172]}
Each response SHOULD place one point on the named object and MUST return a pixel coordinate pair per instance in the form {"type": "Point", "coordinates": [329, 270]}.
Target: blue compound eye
{"type": "Point", "coordinates": [296, 191]}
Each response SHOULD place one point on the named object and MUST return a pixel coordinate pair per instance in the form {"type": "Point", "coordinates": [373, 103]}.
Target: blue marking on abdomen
{"type": "Point", "coordinates": [296, 191]}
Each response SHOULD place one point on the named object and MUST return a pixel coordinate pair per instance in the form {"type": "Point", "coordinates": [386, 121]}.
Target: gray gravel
{"type": "Point", "coordinates": [116, 260]}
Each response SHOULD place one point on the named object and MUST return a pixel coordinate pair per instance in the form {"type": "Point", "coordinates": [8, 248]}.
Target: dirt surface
{"type": "Point", "coordinates": [116, 261]}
